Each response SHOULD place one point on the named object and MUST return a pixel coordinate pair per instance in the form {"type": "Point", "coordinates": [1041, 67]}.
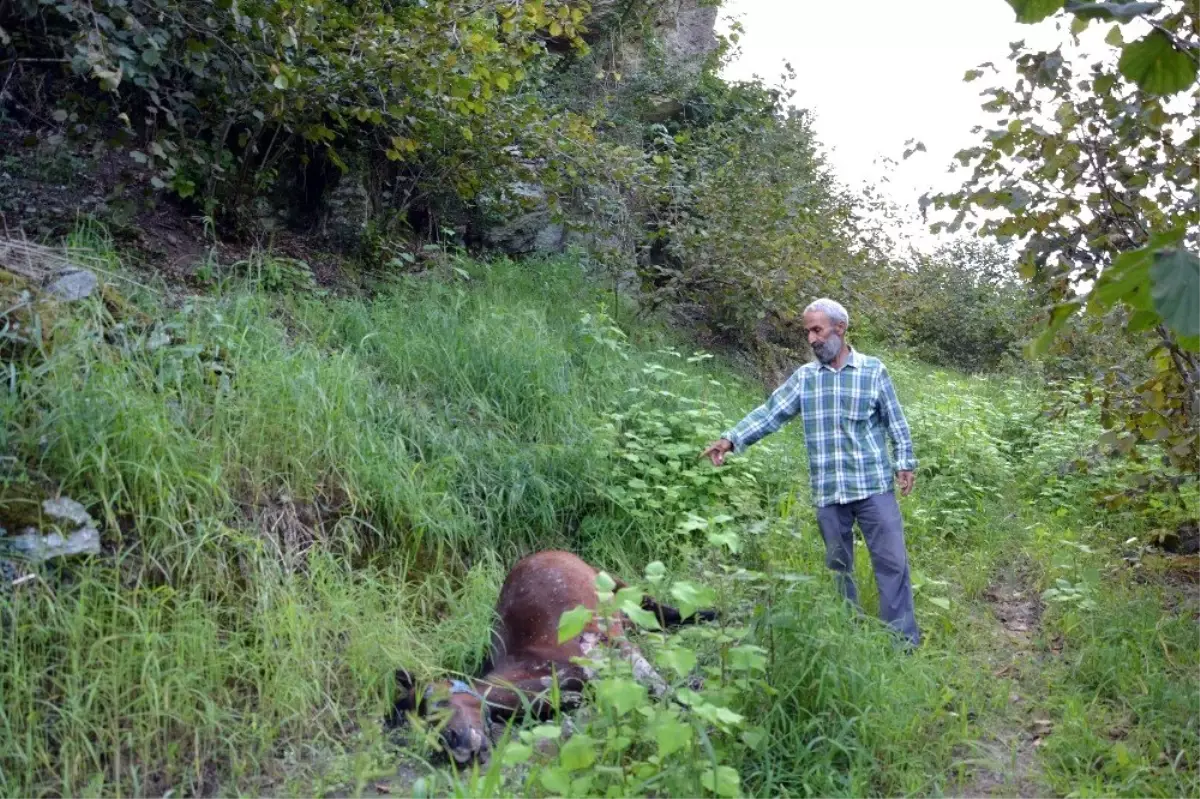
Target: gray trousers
{"type": "Point", "coordinates": [878, 517]}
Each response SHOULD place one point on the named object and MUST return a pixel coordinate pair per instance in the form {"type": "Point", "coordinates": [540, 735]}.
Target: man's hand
{"type": "Point", "coordinates": [716, 451]}
{"type": "Point", "coordinates": [905, 480]}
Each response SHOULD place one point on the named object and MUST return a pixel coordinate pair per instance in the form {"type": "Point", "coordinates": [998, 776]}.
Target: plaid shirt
{"type": "Point", "coordinates": [846, 414]}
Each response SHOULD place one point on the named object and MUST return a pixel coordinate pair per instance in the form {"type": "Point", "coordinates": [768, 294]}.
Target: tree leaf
{"type": "Point", "coordinates": [1176, 291]}
{"type": "Point", "coordinates": [1128, 278]}
{"type": "Point", "coordinates": [571, 623]}
{"type": "Point", "coordinates": [1034, 10]}
{"type": "Point", "coordinates": [1059, 315]}
{"type": "Point", "coordinates": [1154, 64]}
{"type": "Point", "coordinates": [1121, 11]}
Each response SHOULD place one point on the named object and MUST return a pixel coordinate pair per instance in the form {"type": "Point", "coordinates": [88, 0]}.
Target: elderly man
{"type": "Point", "coordinates": [847, 404]}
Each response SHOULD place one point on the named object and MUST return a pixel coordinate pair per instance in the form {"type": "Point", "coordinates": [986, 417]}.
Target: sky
{"type": "Point", "coordinates": [877, 73]}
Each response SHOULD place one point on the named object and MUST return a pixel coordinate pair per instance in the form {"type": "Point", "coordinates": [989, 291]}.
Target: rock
{"type": "Point", "coordinates": [35, 547]}
{"type": "Point", "coordinates": [534, 231]}
{"type": "Point", "coordinates": [73, 284]}
{"type": "Point", "coordinates": [347, 212]}
{"type": "Point", "coordinates": [660, 109]}
{"type": "Point", "coordinates": [67, 509]}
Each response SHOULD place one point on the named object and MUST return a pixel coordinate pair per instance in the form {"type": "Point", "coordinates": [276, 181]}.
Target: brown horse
{"type": "Point", "coordinates": [526, 658]}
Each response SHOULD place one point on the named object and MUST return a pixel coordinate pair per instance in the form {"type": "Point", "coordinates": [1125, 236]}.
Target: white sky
{"type": "Point", "coordinates": [879, 72]}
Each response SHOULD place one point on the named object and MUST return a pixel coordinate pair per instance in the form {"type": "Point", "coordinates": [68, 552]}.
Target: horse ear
{"type": "Point", "coordinates": [407, 699]}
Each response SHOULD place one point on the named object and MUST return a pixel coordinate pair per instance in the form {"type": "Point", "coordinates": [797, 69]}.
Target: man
{"type": "Point", "coordinates": [847, 403]}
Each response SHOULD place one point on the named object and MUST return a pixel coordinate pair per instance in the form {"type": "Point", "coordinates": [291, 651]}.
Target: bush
{"type": "Point", "coordinates": [964, 308]}
{"type": "Point", "coordinates": [228, 103]}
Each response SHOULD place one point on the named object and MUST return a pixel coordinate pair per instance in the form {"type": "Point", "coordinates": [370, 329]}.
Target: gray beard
{"type": "Point", "coordinates": [827, 350]}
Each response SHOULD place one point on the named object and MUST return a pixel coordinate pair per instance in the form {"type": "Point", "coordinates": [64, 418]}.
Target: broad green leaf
{"type": "Point", "coordinates": [1058, 317]}
{"type": "Point", "coordinates": [692, 597]}
{"type": "Point", "coordinates": [940, 601]}
{"type": "Point", "coordinates": [1106, 10]}
{"type": "Point", "coordinates": [281, 81]}
{"type": "Point", "coordinates": [671, 735]}
{"type": "Point", "coordinates": [728, 538]}
{"type": "Point", "coordinates": [754, 738]}
{"type": "Point", "coordinates": [620, 694]}
{"type": "Point", "coordinates": [1128, 279]}
{"type": "Point", "coordinates": [577, 753]}
{"type": "Point", "coordinates": [557, 781]}
{"type": "Point", "coordinates": [640, 616]}
{"type": "Point", "coordinates": [725, 781]}
{"type": "Point", "coordinates": [748, 658]}
{"type": "Point", "coordinates": [571, 623]}
{"type": "Point", "coordinates": [604, 582]}
{"type": "Point", "coordinates": [546, 732]}
{"type": "Point", "coordinates": [1176, 292]}
{"type": "Point", "coordinates": [715, 714]}
{"type": "Point", "coordinates": [1155, 65]}
{"type": "Point", "coordinates": [681, 660]}
{"type": "Point", "coordinates": [1034, 10]}
{"type": "Point", "coordinates": [1142, 320]}
{"type": "Point", "coordinates": [655, 571]}
{"type": "Point", "coordinates": [516, 753]}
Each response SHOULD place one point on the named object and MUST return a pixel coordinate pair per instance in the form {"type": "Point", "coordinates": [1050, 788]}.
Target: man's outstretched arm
{"type": "Point", "coordinates": [780, 407]}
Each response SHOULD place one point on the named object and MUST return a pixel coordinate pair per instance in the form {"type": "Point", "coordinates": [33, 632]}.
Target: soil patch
{"type": "Point", "coordinates": [1004, 762]}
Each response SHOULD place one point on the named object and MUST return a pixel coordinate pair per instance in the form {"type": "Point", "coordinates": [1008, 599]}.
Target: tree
{"type": "Point", "coordinates": [1094, 173]}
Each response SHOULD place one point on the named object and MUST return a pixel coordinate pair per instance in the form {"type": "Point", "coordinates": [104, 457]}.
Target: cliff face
{"type": "Point", "coordinates": [670, 36]}
{"type": "Point", "coordinates": [684, 29]}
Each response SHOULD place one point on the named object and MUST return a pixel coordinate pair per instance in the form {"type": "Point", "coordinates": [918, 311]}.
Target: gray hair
{"type": "Point", "coordinates": [831, 308]}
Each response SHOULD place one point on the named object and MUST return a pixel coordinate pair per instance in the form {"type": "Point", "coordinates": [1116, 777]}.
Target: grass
{"type": "Point", "coordinates": [301, 493]}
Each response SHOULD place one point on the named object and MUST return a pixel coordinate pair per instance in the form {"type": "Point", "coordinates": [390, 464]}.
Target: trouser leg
{"type": "Point", "coordinates": [883, 528]}
{"type": "Point", "coordinates": [836, 523]}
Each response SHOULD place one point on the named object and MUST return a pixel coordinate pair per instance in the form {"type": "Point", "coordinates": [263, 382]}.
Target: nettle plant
{"type": "Point", "coordinates": [653, 446]}
{"type": "Point", "coordinates": [625, 742]}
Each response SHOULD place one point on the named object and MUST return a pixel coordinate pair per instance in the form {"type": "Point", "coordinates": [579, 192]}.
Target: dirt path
{"type": "Point", "coordinates": [1005, 760]}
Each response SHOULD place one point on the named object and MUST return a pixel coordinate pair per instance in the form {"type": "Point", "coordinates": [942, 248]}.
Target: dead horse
{"type": "Point", "coordinates": [526, 655]}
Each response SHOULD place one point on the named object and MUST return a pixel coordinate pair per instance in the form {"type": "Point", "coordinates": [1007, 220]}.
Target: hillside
{"type": "Point", "coordinates": [316, 315]}
{"type": "Point", "coordinates": [300, 492]}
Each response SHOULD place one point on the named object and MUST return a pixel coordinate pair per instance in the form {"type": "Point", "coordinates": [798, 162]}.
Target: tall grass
{"type": "Point", "coordinates": [300, 494]}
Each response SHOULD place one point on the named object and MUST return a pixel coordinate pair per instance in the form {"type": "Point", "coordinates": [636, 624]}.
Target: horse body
{"type": "Point", "coordinates": [527, 658]}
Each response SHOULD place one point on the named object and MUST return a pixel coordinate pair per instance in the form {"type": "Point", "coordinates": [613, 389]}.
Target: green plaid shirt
{"type": "Point", "coordinates": [847, 414]}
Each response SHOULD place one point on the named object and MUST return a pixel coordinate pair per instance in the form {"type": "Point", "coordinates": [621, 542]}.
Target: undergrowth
{"type": "Point", "coordinates": [301, 493]}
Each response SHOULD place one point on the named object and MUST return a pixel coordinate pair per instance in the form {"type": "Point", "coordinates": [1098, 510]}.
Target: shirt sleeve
{"type": "Point", "coordinates": [893, 417]}
{"type": "Point", "coordinates": [780, 407]}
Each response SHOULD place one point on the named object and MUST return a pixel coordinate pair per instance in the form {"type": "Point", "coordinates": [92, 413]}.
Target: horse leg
{"type": "Point", "coordinates": [508, 697]}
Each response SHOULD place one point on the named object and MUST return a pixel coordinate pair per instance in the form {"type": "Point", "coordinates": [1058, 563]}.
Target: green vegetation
{"type": "Point", "coordinates": [1091, 168]}
{"type": "Point", "coordinates": [300, 493]}
{"type": "Point", "coordinates": [306, 480]}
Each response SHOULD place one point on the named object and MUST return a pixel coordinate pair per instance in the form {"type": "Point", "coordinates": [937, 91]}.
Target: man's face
{"type": "Point", "coordinates": [824, 336]}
